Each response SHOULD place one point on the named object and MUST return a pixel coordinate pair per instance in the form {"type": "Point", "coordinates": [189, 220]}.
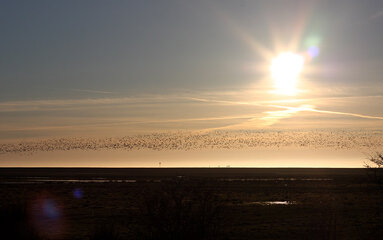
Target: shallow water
{"type": "Point", "coordinates": [274, 179]}
{"type": "Point", "coordinates": [270, 203]}
{"type": "Point", "coordinates": [39, 181]}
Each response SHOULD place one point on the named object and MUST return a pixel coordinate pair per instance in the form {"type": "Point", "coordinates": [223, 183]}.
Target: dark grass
{"type": "Point", "coordinates": [189, 172]}
{"type": "Point", "coordinates": [15, 222]}
{"type": "Point", "coordinates": [199, 203]}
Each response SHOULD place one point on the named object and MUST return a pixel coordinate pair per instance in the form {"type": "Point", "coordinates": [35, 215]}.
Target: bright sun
{"type": "Point", "coordinates": [285, 70]}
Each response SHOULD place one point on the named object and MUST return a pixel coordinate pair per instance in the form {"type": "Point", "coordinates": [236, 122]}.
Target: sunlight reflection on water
{"type": "Point", "coordinates": [266, 203]}
{"type": "Point", "coordinates": [274, 179]}
{"type": "Point", "coordinates": [76, 191]}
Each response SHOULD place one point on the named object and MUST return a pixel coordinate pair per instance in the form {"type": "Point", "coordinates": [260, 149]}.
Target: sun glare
{"type": "Point", "coordinates": [285, 70]}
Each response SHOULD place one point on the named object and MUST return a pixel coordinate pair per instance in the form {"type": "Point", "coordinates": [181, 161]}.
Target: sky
{"type": "Point", "coordinates": [116, 68]}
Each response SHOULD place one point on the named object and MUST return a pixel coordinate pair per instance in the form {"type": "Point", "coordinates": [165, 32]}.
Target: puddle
{"type": "Point", "coordinates": [36, 181]}
{"type": "Point", "coordinates": [268, 203]}
{"type": "Point", "coordinates": [274, 179]}
{"type": "Point", "coordinates": [20, 182]}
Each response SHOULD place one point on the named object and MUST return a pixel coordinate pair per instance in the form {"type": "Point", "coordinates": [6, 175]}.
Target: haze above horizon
{"type": "Point", "coordinates": [96, 69]}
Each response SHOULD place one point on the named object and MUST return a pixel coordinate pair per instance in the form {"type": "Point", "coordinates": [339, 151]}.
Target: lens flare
{"type": "Point", "coordinates": [77, 193]}
{"type": "Point", "coordinates": [313, 51]}
{"type": "Point", "coordinates": [50, 209]}
{"type": "Point", "coordinates": [47, 216]}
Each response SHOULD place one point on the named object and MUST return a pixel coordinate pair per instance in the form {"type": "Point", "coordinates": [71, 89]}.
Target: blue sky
{"type": "Point", "coordinates": [95, 66]}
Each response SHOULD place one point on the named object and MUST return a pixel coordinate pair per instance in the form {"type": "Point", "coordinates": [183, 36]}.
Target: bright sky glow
{"type": "Point", "coordinates": [86, 70]}
{"type": "Point", "coordinates": [285, 70]}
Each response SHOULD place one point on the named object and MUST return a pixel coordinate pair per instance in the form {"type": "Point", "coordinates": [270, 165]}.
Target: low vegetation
{"type": "Point", "coordinates": [375, 168]}
{"type": "Point", "coordinates": [15, 222]}
{"type": "Point", "coordinates": [201, 204]}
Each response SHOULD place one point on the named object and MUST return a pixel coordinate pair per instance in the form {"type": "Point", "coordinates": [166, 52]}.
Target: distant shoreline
{"type": "Point", "coordinates": [253, 174]}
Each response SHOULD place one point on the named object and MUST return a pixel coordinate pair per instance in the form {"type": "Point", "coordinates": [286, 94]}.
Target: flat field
{"type": "Point", "coordinates": [190, 203]}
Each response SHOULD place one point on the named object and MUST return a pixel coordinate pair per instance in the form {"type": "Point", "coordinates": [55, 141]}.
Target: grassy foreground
{"type": "Point", "coordinates": [190, 203]}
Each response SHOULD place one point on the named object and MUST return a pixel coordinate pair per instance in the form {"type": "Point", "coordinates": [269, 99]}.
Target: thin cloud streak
{"type": "Point", "coordinates": [123, 122]}
{"type": "Point", "coordinates": [38, 105]}
{"type": "Point", "coordinates": [92, 91]}
{"type": "Point", "coordinates": [58, 104]}
{"type": "Point", "coordinates": [308, 109]}
{"type": "Point", "coordinates": [260, 117]}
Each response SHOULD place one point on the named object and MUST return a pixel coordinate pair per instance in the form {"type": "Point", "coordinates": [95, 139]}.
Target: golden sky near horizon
{"type": "Point", "coordinates": [95, 71]}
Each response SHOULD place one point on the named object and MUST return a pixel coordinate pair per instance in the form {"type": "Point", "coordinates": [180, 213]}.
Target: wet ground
{"type": "Point", "coordinates": [225, 203]}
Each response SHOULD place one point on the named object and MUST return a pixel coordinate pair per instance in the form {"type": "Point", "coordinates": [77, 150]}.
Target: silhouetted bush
{"type": "Point", "coordinates": [374, 168]}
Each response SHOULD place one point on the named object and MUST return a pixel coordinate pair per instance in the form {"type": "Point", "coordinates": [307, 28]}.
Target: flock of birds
{"type": "Point", "coordinates": [335, 139]}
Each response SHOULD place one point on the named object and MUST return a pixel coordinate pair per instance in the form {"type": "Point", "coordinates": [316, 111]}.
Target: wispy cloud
{"type": "Point", "coordinates": [185, 111]}
{"type": "Point", "coordinates": [92, 91]}
{"type": "Point", "coordinates": [127, 121]}
{"type": "Point", "coordinates": [311, 109]}
{"type": "Point", "coordinates": [239, 97]}
{"type": "Point", "coordinates": [274, 116]}
{"type": "Point", "coordinates": [57, 104]}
